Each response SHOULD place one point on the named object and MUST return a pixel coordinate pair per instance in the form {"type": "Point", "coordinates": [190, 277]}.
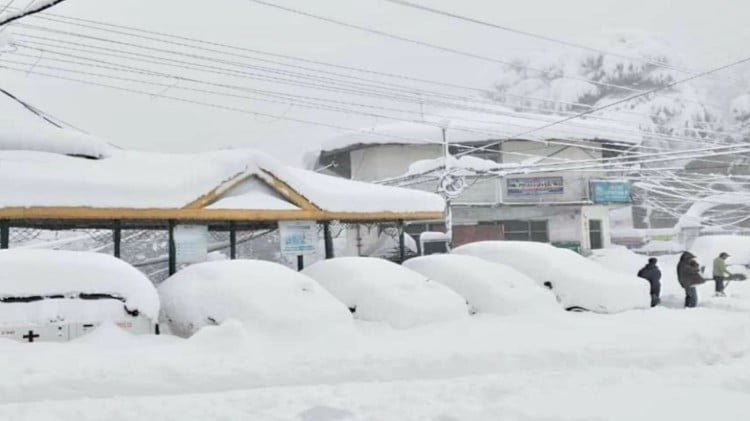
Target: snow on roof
{"type": "Point", "coordinates": [470, 126]}
{"type": "Point", "coordinates": [22, 129]}
{"type": "Point", "coordinates": [235, 179]}
{"type": "Point", "coordinates": [36, 272]}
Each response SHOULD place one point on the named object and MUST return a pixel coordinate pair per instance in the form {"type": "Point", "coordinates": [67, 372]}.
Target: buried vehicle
{"type": "Point", "coordinates": [579, 283]}
{"type": "Point", "coordinates": [53, 295]}
{"type": "Point", "coordinates": [488, 287]}
{"type": "Point", "coordinates": [256, 293]}
{"type": "Point", "coordinates": [378, 290]}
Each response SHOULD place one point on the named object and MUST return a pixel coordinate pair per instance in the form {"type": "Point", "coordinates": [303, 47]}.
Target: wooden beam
{"type": "Point", "coordinates": [182, 214]}
{"type": "Point", "coordinates": [287, 191]}
{"type": "Point", "coordinates": [215, 194]}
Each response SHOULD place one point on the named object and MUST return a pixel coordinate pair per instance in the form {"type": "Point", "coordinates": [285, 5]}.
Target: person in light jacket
{"type": "Point", "coordinates": [689, 275]}
{"type": "Point", "coordinates": [721, 273]}
{"type": "Point", "coordinates": [652, 274]}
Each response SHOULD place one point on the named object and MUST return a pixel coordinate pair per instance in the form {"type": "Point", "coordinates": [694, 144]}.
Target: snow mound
{"type": "Point", "coordinates": [42, 273]}
{"type": "Point", "coordinates": [488, 287]}
{"type": "Point", "coordinates": [577, 281]}
{"type": "Point", "coordinates": [257, 293]}
{"type": "Point", "coordinates": [382, 291]}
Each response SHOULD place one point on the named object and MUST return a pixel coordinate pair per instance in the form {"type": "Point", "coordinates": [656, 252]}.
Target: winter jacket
{"type": "Point", "coordinates": [652, 274]}
{"type": "Point", "coordinates": [688, 271]}
{"type": "Point", "coordinates": [720, 268]}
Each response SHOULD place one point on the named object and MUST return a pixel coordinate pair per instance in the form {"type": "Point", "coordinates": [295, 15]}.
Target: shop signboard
{"type": "Point", "coordinates": [534, 186]}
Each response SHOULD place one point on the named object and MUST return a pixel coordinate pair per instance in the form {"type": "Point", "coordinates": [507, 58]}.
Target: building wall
{"type": "Point", "coordinates": [385, 161]}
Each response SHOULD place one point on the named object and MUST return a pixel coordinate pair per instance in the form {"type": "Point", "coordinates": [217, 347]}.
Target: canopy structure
{"type": "Point", "coordinates": [229, 185]}
{"type": "Point", "coordinates": [55, 177]}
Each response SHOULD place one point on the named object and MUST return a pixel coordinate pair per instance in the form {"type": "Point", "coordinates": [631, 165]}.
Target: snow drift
{"type": "Point", "coordinates": [577, 281]}
{"type": "Point", "coordinates": [258, 293]}
{"type": "Point", "coordinates": [43, 273]}
{"type": "Point", "coordinates": [487, 287]}
{"type": "Point", "coordinates": [382, 291]}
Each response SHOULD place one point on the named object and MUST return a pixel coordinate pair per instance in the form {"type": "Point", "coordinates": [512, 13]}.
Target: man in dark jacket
{"type": "Point", "coordinates": [689, 275]}
{"type": "Point", "coordinates": [652, 274]}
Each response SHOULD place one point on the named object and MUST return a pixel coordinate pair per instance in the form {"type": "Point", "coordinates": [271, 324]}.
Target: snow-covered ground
{"type": "Point", "coordinates": [657, 364]}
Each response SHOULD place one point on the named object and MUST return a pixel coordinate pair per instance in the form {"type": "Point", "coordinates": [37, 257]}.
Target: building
{"type": "Point", "coordinates": [566, 207]}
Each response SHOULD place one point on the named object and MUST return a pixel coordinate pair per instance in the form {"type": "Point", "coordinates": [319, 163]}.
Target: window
{"type": "Point", "coordinates": [525, 231]}
{"type": "Point", "coordinates": [595, 234]}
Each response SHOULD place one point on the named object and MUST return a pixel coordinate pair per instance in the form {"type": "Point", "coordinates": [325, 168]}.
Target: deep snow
{"type": "Point", "coordinates": [652, 364]}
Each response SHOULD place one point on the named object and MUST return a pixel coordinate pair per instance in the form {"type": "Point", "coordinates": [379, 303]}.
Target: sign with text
{"type": "Point", "coordinates": [298, 237]}
{"type": "Point", "coordinates": [610, 192]}
{"type": "Point", "coordinates": [534, 186]}
{"type": "Point", "coordinates": [191, 243]}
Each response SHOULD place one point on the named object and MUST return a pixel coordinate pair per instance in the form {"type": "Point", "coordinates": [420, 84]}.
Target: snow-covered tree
{"type": "Point", "coordinates": [573, 80]}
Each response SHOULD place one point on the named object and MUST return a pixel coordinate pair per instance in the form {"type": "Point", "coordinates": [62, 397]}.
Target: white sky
{"type": "Point", "coordinates": [706, 34]}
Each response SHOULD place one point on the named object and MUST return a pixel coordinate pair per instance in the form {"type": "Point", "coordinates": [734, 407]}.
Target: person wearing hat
{"type": "Point", "coordinates": [652, 274]}
{"type": "Point", "coordinates": [689, 275]}
{"type": "Point", "coordinates": [721, 273]}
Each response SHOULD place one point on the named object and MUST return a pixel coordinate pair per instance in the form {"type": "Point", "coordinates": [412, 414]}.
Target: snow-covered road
{"type": "Point", "coordinates": [655, 364]}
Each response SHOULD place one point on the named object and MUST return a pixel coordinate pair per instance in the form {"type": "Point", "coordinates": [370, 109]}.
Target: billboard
{"type": "Point", "coordinates": [534, 186]}
{"type": "Point", "coordinates": [610, 191]}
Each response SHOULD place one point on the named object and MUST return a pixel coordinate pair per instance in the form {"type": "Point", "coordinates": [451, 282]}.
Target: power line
{"type": "Point", "coordinates": [380, 94]}
{"type": "Point", "coordinates": [20, 15]}
{"type": "Point", "coordinates": [533, 35]}
{"type": "Point", "coordinates": [419, 91]}
{"type": "Point", "coordinates": [434, 46]}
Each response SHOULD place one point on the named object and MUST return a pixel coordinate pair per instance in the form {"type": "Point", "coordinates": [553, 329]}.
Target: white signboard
{"type": "Point", "coordinates": [191, 243]}
{"type": "Point", "coordinates": [298, 237]}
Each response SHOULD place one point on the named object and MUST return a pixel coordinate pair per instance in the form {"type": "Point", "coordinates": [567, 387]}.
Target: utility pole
{"type": "Point", "coordinates": [445, 178]}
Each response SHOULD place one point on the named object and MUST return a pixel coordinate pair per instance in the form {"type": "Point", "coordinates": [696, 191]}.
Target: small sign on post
{"type": "Point", "coordinates": [191, 243]}
{"type": "Point", "coordinates": [298, 238]}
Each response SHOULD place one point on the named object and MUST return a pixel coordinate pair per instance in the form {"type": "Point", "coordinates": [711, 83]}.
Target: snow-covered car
{"type": "Point", "coordinates": [257, 293]}
{"type": "Point", "coordinates": [382, 291]}
{"type": "Point", "coordinates": [54, 295]}
{"type": "Point", "coordinates": [578, 283]}
{"type": "Point", "coordinates": [488, 287]}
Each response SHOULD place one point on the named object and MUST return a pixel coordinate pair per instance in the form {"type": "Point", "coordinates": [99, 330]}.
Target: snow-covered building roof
{"type": "Point", "coordinates": [47, 172]}
{"type": "Point", "coordinates": [229, 184]}
{"type": "Point", "coordinates": [474, 127]}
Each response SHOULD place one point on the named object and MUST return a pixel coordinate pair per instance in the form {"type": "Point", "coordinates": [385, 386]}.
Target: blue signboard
{"type": "Point", "coordinates": [534, 186]}
{"type": "Point", "coordinates": [610, 192]}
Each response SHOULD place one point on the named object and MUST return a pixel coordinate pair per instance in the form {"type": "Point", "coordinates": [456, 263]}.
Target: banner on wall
{"type": "Point", "coordinates": [534, 186]}
{"type": "Point", "coordinates": [608, 191]}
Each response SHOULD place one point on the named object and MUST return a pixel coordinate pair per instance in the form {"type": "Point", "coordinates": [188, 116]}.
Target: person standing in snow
{"type": "Point", "coordinates": [721, 273]}
{"type": "Point", "coordinates": [652, 274]}
{"type": "Point", "coordinates": [689, 275]}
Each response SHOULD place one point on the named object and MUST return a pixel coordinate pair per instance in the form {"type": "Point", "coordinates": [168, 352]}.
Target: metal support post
{"type": "Point", "coordinates": [401, 241]}
{"type": "Point", "coordinates": [172, 249]}
{"type": "Point", "coordinates": [4, 234]}
{"type": "Point", "coordinates": [300, 262]}
{"type": "Point", "coordinates": [232, 240]}
{"type": "Point", "coordinates": [117, 237]}
{"type": "Point", "coordinates": [328, 239]}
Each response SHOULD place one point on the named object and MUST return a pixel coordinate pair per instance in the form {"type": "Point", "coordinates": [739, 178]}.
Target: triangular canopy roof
{"type": "Point", "coordinates": [222, 185]}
